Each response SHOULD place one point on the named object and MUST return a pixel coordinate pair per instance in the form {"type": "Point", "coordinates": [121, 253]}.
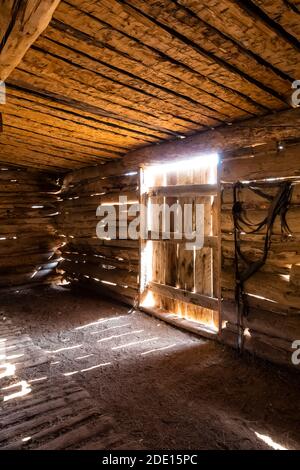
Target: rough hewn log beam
{"type": "Point", "coordinates": [21, 24]}
{"type": "Point", "coordinates": [279, 126]}
{"type": "Point", "coordinates": [283, 125]}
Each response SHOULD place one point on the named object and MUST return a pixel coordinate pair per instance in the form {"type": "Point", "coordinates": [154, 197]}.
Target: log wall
{"type": "Point", "coordinates": [273, 293]}
{"type": "Point", "coordinates": [28, 238]}
{"type": "Point", "coordinates": [106, 265]}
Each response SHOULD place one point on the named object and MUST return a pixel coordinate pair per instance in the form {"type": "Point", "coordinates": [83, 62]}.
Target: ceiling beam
{"type": "Point", "coordinates": [252, 132]}
{"type": "Point", "coordinates": [22, 21]}
{"type": "Point", "coordinates": [283, 125]}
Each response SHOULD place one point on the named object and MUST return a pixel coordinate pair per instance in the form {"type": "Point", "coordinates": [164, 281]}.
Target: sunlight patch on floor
{"type": "Point", "coordinates": [269, 441]}
{"type": "Point", "coordinates": [145, 353]}
{"type": "Point", "coordinates": [133, 343]}
{"type": "Point", "coordinates": [25, 389]}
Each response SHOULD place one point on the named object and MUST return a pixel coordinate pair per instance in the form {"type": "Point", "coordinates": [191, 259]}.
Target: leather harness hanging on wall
{"type": "Point", "coordinates": [279, 205]}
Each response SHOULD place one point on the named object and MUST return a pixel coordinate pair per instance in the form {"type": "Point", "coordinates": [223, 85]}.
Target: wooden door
{"type": "Point", "coordinates": [177, 280]}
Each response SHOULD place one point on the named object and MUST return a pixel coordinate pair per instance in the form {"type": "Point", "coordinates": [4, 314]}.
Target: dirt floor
{"type": "Point", "coordinates": [164, 388]}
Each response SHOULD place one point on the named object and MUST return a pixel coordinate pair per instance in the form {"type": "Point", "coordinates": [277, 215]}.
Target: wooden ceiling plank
{"type": "Point", "coordinates": [251, 33]}
{"type": "Point", "coordinates": [181, 102]}
{"type": "Point", "coordinates": [89, 124]}
{"type": "Point", "coordinates": [41, 63]}
{"type": "Point", "coordinates": [50, 107]}
{"type": "Point", "coordinates": [39, 158]}
{"type": "Point", "coordinates": [75, 89]}
{"type": "Point", "coordinates": [84, 108]}
{"type": "Point", "coordinates": [23, 160]}
{"type": "Point", "coordinates": [202, 35]}
{"type": "Point", "coordinates": [64, 128]}
{"type": "Point", "coordinates": [285, 13]}
{"type": "Point", "coordinates": [67, 117]}
{"type": "Point", "coordinates": [81, 148]}
{"type": "Point", "coordinates": [263, 65]}
{"type": "Point", "coordinates": [24, 122]}
{"type": "Point", "coordinates": [16, 149]}
{"type": "Point", "coordinates": [58, 161]}
{"type": "Point", "coordinates": [123, 94]}
{"type": "Point", "coordinates": [111, 39]}
{"type": "Point", "coordinates": [20, 122]}
{"type": "Point", "coordinates": [255, 11]}
{"type": "Point", "coordinates": [182, 95]}
{"type": "Point", "coordinates": [230, 50]}
{"type": "Point", "coordinates": [150, 31]}
{"type": "Point", "coordinates": [93, 150]}
{"type": "Point", "coordinates": [21, 24]}
{"type": "Point", "coordinates": [14, 140]}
